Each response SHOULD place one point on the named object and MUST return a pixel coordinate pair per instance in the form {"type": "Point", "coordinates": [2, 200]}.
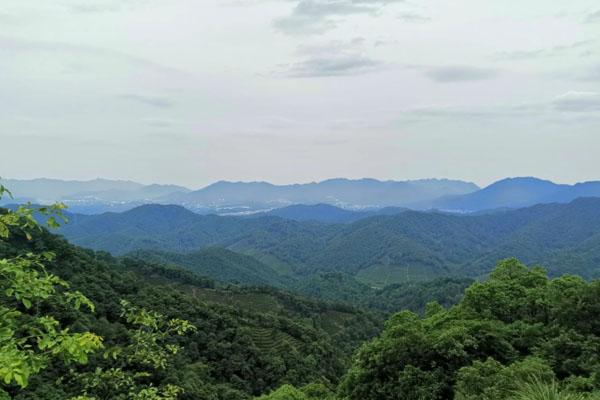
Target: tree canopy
{"type": "Point", "coordinates": [517, 325]}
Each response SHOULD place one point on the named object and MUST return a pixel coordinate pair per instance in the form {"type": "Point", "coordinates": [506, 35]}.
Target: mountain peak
{"type": "Point", "coordinates": [522, 180]}
{"type": "Point", "coordinates": [517, 192]}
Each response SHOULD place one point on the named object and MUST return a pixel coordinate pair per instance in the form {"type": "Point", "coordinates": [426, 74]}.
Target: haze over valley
{"type": "Point", "coordinates": [239, 198]}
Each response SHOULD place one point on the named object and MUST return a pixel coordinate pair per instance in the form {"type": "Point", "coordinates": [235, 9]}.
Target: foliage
{"type": "Point", "coordinates": [412, 296]}
{"type": "Point", "coordinates": [537, 389]}
{"type": "Point", "coordinates": [314, 391]}
{"type": "Point", "coordinates": [490, 380]}
{"type": "Point", "coordinates": [31, 335]}
{"type": "Point", "coordinates": [219, 264]}
{"type": "Point", "coordinates": [378, 251]}
{"type": "Point", "coordinates": [517, 323]}
{"type": "Point", "coordinates": [170, 334]}
{"type": "Point", "coordinates": [146, 352]}
{"type": "Point", "coordinates": [248, 342]}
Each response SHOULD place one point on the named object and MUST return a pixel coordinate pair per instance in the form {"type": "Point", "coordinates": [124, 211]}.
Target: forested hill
{"type": "Point", "coordinates": [248, 341]}
{"type": "Point", "coordinates": [153, 332]}
{"type": "Point", "coordinates": [379, 250]}
{"type": "Point", "coordinates": [220, 264]}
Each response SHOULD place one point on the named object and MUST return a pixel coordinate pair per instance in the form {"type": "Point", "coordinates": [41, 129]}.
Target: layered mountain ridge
{"type": "Point", "coordinates": [378, 250]}
{"type": "Point", "coordinates": [248, 198]}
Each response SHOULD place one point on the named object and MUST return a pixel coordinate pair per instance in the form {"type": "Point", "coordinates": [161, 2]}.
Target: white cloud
{"type": "Point", "coordinates": [317, 16]}
{"type": "Point", "coordinates": [577, 102]}
{"type": "Point", "coordinates": [460, 73]}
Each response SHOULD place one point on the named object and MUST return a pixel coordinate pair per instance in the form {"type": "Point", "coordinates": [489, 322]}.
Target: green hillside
{"type": "Point", "coordinates": [378, 251]}
{"type": "Point", "coordinates": [248, 340]}
{"type": "Point", "coordinates": [512, 336]}
{"type": "Point", "coordinates": [226, 266]}
{"type": "Point", "coordinates": [219, 264]}
{"type": "Point", "coordinates": [413, 296]}
{"type": "Point", "coordinates": [170, 333]}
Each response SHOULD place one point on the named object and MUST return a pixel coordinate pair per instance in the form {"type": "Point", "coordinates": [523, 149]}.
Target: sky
{"type": "Point", "coordinates": [194, 91]}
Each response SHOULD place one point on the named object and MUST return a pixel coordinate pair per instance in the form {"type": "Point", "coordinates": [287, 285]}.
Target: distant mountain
{"type": "Point", "coordinates": [346, 193]}
{"type": "Point", "coordinates": [89, 197]}
{"type": "Point", "coordinates": [48, 190]}
{"type": "Point", "coordinates": [332, 201]}
{"type": "Point", "coordinates": [327, 213]}
{"type": "Point", "coordinates": [239, 198]}
{"type": "Point", "coordinates": [516, 193]}
{"type": "Point", "coordinates": [378, 250]}
{"type": "Point", "coordinates": [584, 189]}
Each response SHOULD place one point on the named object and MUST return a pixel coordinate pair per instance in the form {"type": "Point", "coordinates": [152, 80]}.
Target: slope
{"type": "Point", "coordinates": [220, 264]}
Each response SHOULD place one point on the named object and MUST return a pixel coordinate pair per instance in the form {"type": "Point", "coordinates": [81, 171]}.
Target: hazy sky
{"type": "Point", "coordinates": [193, 91]}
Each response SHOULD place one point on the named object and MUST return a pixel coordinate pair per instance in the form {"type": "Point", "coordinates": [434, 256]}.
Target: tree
{"type": "Point", "coordinates": [31, 336]}
{"type": "Point", "coordinates": [312, 391]}
{"type": "Point", "coordinates": [148, 351]}
{"type": "Point", "coordinates": [516, 325]}
{"type": "Point", "coordinates": [490, 380]}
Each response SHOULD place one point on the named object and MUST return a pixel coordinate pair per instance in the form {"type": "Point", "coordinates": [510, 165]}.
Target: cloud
{"type": "Point", "coordinates": [9, 19]}
{"type": "Point", "coordinates": [436, 111]}
{"type": "Point", "coordinates": [331, 141]}
{"type": "Point", "coordinates": [316, 16]}
{"type": "Point", "coordinates": [303, 25]}
{"type": "Point", "coordinates": [101, 6]}
{"type": "Point", "coordinates": [154, 101]}
{"type": "Point", "coordinates": [334, 58]}
{"type": "Point", "coordinates": [354, 45]}
{"type": "Point", "coordinates": [577, 102]}
{"type": "Point", "coordinates": [161, 123]}
{"type": "Point", "coordinates": [412, 17]}
{"type": "Point", "coordinates": [9, 44]}
{"type": "Point", "coordinates": [334, 66]}
{"type": "Point", "coordinates": [542, 52]}
{"type": "Point", "coordinates": [574, 106]}
{"type": "Point", "coordinates": [592, 17]}
{"type": "Point", "coordinates": [320, 8]}
{"type": "Point", "coordinates": [591, 73]}
{"type": "Point", "coordinates": [92, 8]}
{"type": "Point", "coordinates": [459, 73]}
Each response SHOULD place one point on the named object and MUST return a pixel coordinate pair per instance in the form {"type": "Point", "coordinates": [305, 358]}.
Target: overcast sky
{"type": "Point", "coordinates": [194, 91]}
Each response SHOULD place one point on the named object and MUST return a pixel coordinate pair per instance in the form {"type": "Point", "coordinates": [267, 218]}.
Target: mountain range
{"type": "Point", "coordinates": [515, 193]}
{"type": "Point", "coordinates": [377, 250]}
{"type": "Point", "coordinates": [90, 197]}
{"type": "Point", "coordinates": [346, 193]}
{"type": "Point", "coordinates": [367, 196]}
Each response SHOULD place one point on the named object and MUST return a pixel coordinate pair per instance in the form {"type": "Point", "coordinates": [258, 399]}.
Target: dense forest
{"type": "Point", "coordinates": [82, 324]}
{"type": "Point", "coordinates": [517, 336]}
{"type": "Point", "coordinates": [379, 250]}
{"type": "Point", "coordinates": [234, 268]}
{"type": "Point", "coordinates": [245, 341]}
